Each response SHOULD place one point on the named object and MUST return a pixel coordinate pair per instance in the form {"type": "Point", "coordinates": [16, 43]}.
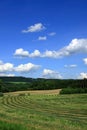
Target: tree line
{"type": "Point", "coordinates": [11, 84]}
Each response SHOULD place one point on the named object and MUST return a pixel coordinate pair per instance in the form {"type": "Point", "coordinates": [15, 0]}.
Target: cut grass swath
{"type": "Point", "coordinates": [44, 112]}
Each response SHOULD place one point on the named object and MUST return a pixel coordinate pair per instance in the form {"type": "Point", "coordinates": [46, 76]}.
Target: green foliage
{"type": "Point", "coordinates": [22, 94]}
{"type": "Point", "coordinates": [70, 90]}
{"type": "Point", "coordinates": [11, 84]}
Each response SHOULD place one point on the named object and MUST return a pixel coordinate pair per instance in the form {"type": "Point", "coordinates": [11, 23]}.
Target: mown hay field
{"type": "Point", "coordinates": [36, 92]}
{"type": "Point", "coordinates": [43, 111]}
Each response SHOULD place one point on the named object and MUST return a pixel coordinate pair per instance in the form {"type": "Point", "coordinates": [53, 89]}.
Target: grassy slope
{"type": "Point", "coordinates": [44, 112]}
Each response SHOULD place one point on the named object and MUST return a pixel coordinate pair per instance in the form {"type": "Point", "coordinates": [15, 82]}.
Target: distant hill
{"type": "Point", "coordinates": [16, 79]}
{"type": "Point", "coordinates": [11, 84]}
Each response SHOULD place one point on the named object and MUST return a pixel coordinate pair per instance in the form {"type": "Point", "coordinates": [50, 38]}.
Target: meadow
{"type": "Point", "coordinates": [43, 111]}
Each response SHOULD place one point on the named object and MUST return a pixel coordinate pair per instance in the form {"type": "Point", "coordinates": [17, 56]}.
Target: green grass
{"type": "Point", "coordinates": [18, 82]}
{"type": "Point", "coordinates": [10, 126]}
{"type": "Point", "coordinates": [43, 112]}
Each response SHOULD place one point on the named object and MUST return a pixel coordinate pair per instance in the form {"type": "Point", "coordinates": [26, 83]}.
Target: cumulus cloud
{"type": "Point", "coordinates": [70, 66]}
{"type": "Point", "coordinates": [5, 67]}
{"type": "Point", "coordinates": [52, 33]}
{"type": "Point", "coordinates": [36, 53]}
{"type": "Point", "coordinates": [7, 75]}
{"type": "Point", "coordinates": [51, 74]}
{"type": "Point", "coordinates": [21, 53]}
{"type": "Point", "coordinates": [85, 60]}
{"type": "Point", "coordinates": [27, 68]}
{"type": "Point", "coordinates": [42, 38]}
{"type": "Point", "coordinates": [50, 54]}
{"type": "Point", "coordinates": [34, 28]}
{"type": "Point", "coordinates": [74, 47]}
{"type": "Point", "coordinates": [77, 46]}
{"type": "Point", "coordinates": [82, 75]}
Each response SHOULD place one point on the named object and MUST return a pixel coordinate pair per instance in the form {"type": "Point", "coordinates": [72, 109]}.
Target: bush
{"type": "Point", "coordinates": [28, 94]}
{"type": "Point", "coordinates": [73, 90]}
{"type": "Point", "coordinates": [22, 94]}
{"type": "Point", "coordinates": [1, 94]}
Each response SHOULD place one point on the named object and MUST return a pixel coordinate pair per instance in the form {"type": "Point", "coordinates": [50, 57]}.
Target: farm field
{"type": "Point", "coordinates": [43, 111]}
{"type": "Point", "coordinates": [36, 92]}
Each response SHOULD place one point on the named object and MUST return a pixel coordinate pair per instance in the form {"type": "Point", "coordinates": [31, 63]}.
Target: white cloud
{"type": "Point", "coordinates": [34, 28]}
{"type": "Point", "coordinates": [54, 54]}
{"type": "Point", "coordinates": [50, 54]}
{"type": "Point", "coordinates": [82, 75]}
{"type": "Point", "coordinates": [27, 68]}
{"type": "Point", "coordinates": [52, 34]}
{"type": "Point", "coordinates": [8, 75]}
{"type": "Point", "coordinates": [21, 53]}
{"type": "Point", "coordinates": [85, 60]}
{"type": "Point", "coordinates": [36, 53]}
{"type": "Point", "coordinates": [40, 38]}
{"type": "Point", "coordinates": [5, 67]}
{"type": "Point", "coordinates": [51, 74]}
{"type": "Point", "coordinates": [70, 66]}
{"type": "Point", "coordinates": [75, 46]}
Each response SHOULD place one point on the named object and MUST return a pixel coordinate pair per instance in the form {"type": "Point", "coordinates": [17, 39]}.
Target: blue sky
{"type": "Point", "coordinates": [43, 38]}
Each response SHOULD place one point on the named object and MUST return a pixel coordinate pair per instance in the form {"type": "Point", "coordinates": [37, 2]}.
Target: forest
{"type": "Point", "coordinates": [12, 84]}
